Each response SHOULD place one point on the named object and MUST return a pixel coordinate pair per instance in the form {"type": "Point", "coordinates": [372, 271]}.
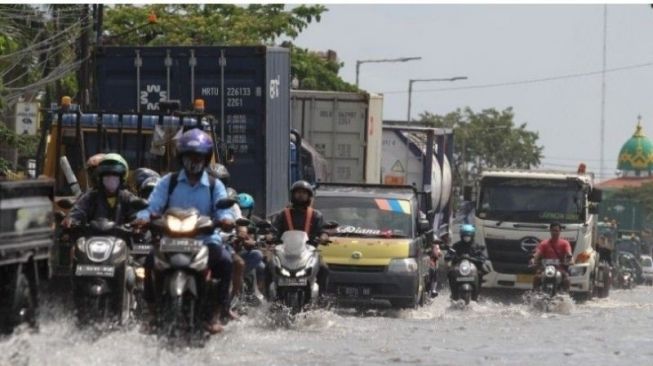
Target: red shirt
{"type": "Point", "coordinates": [547, 251]}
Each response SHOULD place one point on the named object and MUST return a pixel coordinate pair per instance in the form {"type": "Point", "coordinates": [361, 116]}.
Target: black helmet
{"type": "Point", "coordinates": [301, 184]}
{"type": "Point", "coordinates": [220, 171]}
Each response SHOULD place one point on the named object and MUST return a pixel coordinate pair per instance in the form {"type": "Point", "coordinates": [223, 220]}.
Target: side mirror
{"type": "Point", "coordinates": [243, 222]}
{"type": "Point", "coordinates": [330, 225]}
{"type": "Point", "coordinates": [596, 195]}
{"type": "Point", "coordinates": [593, 208]}
{"type": "Point", "coordinates": [423, 226]}
{"type": "Point", "coordinates": [467, 193]}
{"type": "Point", "coordinates": [225, 203]}
{"type": "Point", "coordinates": [59, 216]}
{"type": "Point", "coordinates": [65, 203]}
{"type": "Point", "coordinates": [139, 204]}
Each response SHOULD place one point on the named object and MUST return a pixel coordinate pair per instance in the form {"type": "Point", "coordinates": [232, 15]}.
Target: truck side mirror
{"type": "Point", "coordinates": [467, 193]}
{"type": "Point", "coordinates": [593, 208]}
{"type": "Point", "coordinates": [596, 195]}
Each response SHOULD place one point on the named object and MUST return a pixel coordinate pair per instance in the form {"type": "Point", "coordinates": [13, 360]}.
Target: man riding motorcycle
{"type": "Point", "coordinates": [193, 187]}
{"type": "Point", "coordinates": [553, 248]}
{"type": "Point", "coordinates": [466, 246]}
{"type": "Point", "coordinates": [299, 215]}
{"type": "Point", "coordinates": [108, 199]}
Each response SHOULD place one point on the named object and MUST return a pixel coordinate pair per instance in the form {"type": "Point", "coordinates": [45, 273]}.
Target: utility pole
{"type": "Point", "coordinates": [412, 81]}
{"type": "Point", "coordinates": [83, 80]}
{"type": "Point", "coordinates": [605, 43]}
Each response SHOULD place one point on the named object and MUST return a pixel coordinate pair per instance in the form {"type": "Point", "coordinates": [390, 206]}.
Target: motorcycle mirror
{"type": "Point", "coordinates": [243, 222]}
{"type": "Point", "coordinates": [330, 225]}
{"type": "Point", "coordinates": [139, 204]}
{"type": "Point", "coordinates": [264, 224]}
{"type": "Point", "coordinates": [65, 203]}
{"type": "Point", "coordinates": [225, 203]}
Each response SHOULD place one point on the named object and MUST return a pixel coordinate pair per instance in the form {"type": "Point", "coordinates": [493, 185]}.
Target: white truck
{"type": "Point", "coordinates": [513, 211]}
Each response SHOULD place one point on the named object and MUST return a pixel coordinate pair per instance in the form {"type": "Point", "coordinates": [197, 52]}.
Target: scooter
{"type": "Point", "coordinates": [182, 277]}
{"type": "Point", "coordinates": [100, 281]}
{"type": "Point", "coordinates": [603, 278]}
{"type": "Point", "coordinates": [551, 277]}
{"type": "Point", "coordinates": [466, 280]}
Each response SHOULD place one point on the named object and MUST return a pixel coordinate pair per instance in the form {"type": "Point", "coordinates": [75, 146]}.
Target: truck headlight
{"type": "Point", "coordinates": [403, 265]}
{"type": "Point", "coordinates": [575, 271]}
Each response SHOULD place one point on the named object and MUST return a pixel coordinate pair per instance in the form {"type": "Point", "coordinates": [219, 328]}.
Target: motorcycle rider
{"type": "Point", "coordinates": [553, 248]}
{"type": "Point", "coordinates": [91, 164]}
{"type": "Point", "coordinates": [245, 244]}
{"type": "Point", "coordinates": [109, 199]}
{"type": "Point", "coordinates": [193, 187]}
{"type": "Point", "coordinates": [299, 215]}
{"type": "Point", "coordinates": [466, 246]}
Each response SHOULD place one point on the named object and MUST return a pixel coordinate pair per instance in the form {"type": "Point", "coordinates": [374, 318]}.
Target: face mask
{"type": "Point", "coordinates": [467, 239]}
{"type": "Point", "coordinates": [111, 183]}
{"type": "Point", "coordinates": [191, 167]}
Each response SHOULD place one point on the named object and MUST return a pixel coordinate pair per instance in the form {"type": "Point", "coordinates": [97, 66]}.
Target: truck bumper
{"type": "Point", "coordinates": [372, 288]}
{"type": "Point", "coordinates": [579, 279]}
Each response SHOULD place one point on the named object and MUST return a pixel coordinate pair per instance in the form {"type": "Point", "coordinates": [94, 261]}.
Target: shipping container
{"type": "Point", "coordinates": [345, 128]}
{"type": "Point", "coordinates": [245, 88]}
{"type": "Point", "coordinates": [629, 214]}
{"type": "Point", "coordinates": [405, 161]}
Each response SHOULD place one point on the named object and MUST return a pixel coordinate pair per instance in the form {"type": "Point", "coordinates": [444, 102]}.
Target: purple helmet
{"type": "Point", "coordinates": [195, 141]}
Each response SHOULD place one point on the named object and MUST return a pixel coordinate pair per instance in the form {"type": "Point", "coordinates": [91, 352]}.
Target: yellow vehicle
{"type": "Point", "coordinates": [378, 253]}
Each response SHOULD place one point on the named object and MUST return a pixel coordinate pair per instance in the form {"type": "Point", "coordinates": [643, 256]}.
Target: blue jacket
{"type": "Point", "coordinates": [187, 196]}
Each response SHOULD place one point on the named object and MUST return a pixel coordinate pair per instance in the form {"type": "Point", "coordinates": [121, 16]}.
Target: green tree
{"type": "Point", "coordinates": [489, 139]}
{"type": "Point", "coordinates": [225, 24]}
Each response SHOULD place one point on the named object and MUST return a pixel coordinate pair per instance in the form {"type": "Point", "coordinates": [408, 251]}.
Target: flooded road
{"type": "Point", "coordinates": [499, 330]}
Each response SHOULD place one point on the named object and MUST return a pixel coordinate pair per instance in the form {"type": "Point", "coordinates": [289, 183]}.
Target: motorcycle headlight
{"type": "Point", "coordinates": [465, 268]}
{"type": "Point", "coordinates": [549, 271]}
{"type": "Point", "coordinates": [284, 272]}
{"type": "Point", "coordinates": [403, 265]}
{"type": "Point", "coordinates": [181, 225]}
{"type": "Point", "coordinates": [98, 249]}
{"type": "Point", "coordinates": [301, 273]}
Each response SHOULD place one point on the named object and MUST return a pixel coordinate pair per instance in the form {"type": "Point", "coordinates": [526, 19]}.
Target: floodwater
{"type": "Point", "coordinates": [499, 330]}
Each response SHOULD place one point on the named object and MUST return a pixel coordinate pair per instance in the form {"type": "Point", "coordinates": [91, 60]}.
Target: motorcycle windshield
{"type": "Point", "coordinates": [294, 242]}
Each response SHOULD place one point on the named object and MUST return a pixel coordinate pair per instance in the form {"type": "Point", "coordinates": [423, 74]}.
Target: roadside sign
{"type": "Point", "coordinates": [27, 118]}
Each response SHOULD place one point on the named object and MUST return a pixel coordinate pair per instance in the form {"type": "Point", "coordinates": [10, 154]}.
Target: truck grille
{"type": "Point", "coordinates": [350, 268]}
{"type": "Point", "coordinates": [507, 256]}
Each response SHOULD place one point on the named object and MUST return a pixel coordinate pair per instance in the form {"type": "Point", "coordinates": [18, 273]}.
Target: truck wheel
{"type": "Point", "coordinates": [22, 308]}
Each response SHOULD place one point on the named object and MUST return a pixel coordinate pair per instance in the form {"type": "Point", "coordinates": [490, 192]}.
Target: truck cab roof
{"type": "Point", "coordinates": [366, 190]}
{"type": "Point", "coordinates": [586, 178]}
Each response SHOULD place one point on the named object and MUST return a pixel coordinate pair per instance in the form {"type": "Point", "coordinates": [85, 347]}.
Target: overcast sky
{"type": "Point", "coordinates": [504, 43]}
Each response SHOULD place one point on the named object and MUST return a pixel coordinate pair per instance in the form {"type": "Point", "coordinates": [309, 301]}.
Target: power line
{"type": "Point", "coordinates": [528, 81]}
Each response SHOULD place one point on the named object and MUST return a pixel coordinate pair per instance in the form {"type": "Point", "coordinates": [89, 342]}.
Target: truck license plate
{"type": "Point", "coordinates": [525, 278]}
{"type": "Point", "coordinates": [95, 271]}
{"type": "Point", "coordinates": [348, 291]}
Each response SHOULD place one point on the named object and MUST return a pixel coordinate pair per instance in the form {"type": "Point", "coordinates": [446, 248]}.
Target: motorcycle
{"type": "Point", "coordinates": [101, 288]}
{"type": "Point", "coordinates": [551, 277]}
{"type": "Point", "coordinates": [466, 280]}
{"type": "Point", "coordinates": [603, 278]}
{"type": "Point", "coordinates": [141, 246]}
{"type": "Point", "coordinates": [251, 295]}
{"type": "Point", "coordinates": [183, 278]}
{"type": "Point", "coordinates": [295, 265]}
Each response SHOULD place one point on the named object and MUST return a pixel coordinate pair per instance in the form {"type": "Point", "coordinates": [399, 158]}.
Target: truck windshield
{"type": "Point", "coordinates": [371, 217]}
{"type": "Point", "coordinates": [531, 200]}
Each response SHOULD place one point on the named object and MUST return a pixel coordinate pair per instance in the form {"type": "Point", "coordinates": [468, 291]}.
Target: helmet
{"type": "Point", "coordinates": [467, 229]}
{"type": "Point", "coordinates": [301, 184]}
{"type": "Point", "coordinates": [143, 174]}
{"type": "Point", "coordinates": [147, 186]}
{"type": "Point", "coordinates": [195, 141]}
{"type": "Point", "coordinates": [113, 164]}
{"type": "Point", "coordinates": [245, 201]}
{"type": "Point", "coordinates": [231, 193]}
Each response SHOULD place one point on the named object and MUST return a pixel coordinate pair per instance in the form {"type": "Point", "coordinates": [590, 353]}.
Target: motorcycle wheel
{"type": "Point", "coordinates": [466, 296]}
{"type": "Point", "coordinates": [174, 316]}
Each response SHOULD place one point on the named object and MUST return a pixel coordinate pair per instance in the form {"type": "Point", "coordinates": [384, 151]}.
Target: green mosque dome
{"type": "Point", "coordinates": [637, 153]}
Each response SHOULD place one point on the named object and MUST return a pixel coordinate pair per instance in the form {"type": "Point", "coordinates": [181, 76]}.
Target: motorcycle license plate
{"type": "Point", "coordinates": [465, 279]}
{"type": "Point", "coordinates": [354, 291]}
{"type": "Point", "coordinates": [141, 249]}
{"type": "Point", "coordinates": [94, 271]}
{"type": "Point", "coordinates": [292, 281]}
{"type": "Point", "coordinates": [179, 245]}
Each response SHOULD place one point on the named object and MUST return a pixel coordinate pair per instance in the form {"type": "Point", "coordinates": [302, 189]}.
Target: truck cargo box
{"type": "Point", "coordinates": [345, 128]}
{"type": "Point", "coordinates": [248, 91]}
